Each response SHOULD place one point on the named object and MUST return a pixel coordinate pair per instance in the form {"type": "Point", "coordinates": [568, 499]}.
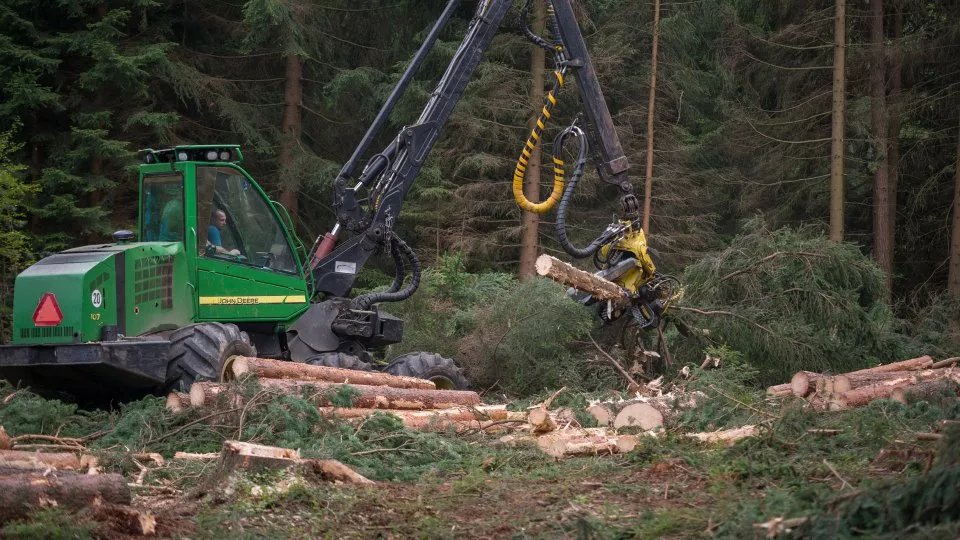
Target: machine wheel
{"type": "Point", "coordinates": [338, 360]}
{"type": "Point", "coordinates": [197, 352]}
{"type": "Point", "coordinates": [431, 366]}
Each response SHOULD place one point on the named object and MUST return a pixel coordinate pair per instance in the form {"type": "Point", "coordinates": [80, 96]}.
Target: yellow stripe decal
{"type": "Point", "coordinates": [553, 100]}
{"type": "Point", "coordinates": [251, 300]}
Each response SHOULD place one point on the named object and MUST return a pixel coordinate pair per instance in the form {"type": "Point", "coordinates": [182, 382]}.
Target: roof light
{"type": "Point", "coordinates": [224, 155]}
{"type": "Point", "coordinates": [48, 311]}
{"type": "Point", "coordinates": [211, 155]}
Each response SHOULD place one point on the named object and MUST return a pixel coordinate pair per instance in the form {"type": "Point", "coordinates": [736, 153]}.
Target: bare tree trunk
{"type": "Point", "coordinates": [953, 280]}
{"type": "Point", "coordinates": [292, 124]}
{"type": "Point", "coordinates": [893, 133]}
{"type": "Point", "coordinates": [837, 131]}
{"type": "Point", "coordinates": [530, 221]}
{"type": "Point", "coordinates": [882, 247]}
{"type": "Point", "coordinates": [648, 185]}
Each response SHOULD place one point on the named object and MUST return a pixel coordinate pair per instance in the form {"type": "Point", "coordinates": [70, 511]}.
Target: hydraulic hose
{"type": "Point", "coordinates": [400, 272]}
{"type": "Point", "coordinates": [364, 301]}
{"type": "Point", "coordinates": [561, 225]}
{"type": "Point", "coordinates": [559, 73]}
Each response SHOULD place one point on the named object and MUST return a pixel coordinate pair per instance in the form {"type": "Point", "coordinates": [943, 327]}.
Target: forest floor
{"type": "Point", "coordinates": [850, 473]}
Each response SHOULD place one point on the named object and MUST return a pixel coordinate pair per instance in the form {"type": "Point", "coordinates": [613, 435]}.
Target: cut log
{"type": "Point", "coordinates": [332, 470]}
{"type": "Point", "coordinates": [949, 362]}
{"type": "Point", "coordinates": [884, 389]}
{"type": "Point", "coordinates": [913, 364]}
{"type": "Point", "coordinates": [19, 459]}
{"type": "Point", "coordinates": [237, 366]}
{"type": "Point", "coordinates": [669, 405]}
{"type": "Point", "coordinates": [5, 442]}
{"type": "Point", "coordinates": [204, 393]}
{"type": "Point", "coordinates": [177, 401]}
{"type": "Point", "coordinates": [483, 412]}
{"type": "Point", "coordinates": [602, 413]}
{"type": "Point", "coordinates": [800, 385]}
{"type": "Point", "coordinates": [370, 397]}
{"type": "Point", "coordinates": [642, 415]}
{"type": "Point", "coordinates": [804, 383]}
{"type": "Point", "coordinates": [24, 492]}
{"type": "Point", "coordinates": [561, 444]}
{"type": "Point", "coordinates": [540, 421]}
{"type": "Point", "coordinates": [459, 419]}
{"type": "Point", "coordinates": [726, 436]}
{"type": "Point", "coordinates": [581, 280]}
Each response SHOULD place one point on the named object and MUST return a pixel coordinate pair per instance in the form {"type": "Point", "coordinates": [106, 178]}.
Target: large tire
{"type": "Point", "coordinates": [338, 360]}
{"type": "Point", "coordinates": [197, 352]}
{"type": "Point", "coordinates": [431, 366]}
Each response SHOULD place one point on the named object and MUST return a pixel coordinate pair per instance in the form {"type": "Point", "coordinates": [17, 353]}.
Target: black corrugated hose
{"type": "Point", "coordinates": [399, 249]}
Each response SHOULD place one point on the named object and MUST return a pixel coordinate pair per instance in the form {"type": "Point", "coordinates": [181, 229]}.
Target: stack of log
{"type": "Point", "coordinates": [416, 402]}
{"type": "Point", "coordinates": [859, 388]}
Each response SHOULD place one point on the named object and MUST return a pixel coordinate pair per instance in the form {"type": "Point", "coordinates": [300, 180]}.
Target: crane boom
{"type": "Point", "coordinates": [389, 174]}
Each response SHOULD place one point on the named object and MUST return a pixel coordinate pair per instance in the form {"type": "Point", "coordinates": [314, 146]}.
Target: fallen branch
{"type": "Point", "coordinates": [726, 436]}
{"type": "Point", "coordinates": [735, 400]}
{"type": "Point", "coordinates": [561, 444]}
{"type": "Point", "coordinates": [196, 457]}
{"type": "Point", "coordinates": [632, 385]}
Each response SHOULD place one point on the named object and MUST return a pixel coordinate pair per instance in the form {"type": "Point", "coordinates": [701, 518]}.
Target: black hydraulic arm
{"type": "Point", "coordinates": [388, 175]}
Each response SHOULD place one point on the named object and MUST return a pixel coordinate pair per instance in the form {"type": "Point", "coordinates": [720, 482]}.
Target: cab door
{"type": "Point", "coordinates": [247, 269]}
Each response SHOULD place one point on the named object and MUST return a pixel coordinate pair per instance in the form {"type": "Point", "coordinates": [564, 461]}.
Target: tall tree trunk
{"type": "Point", "coordinates": [648, 185]}
{"type": "Point", "coordinates": [882, 247]}
{"type": "Point", "coordinates": [292, 124]}
{"type": "Point", "coordinates": [953, 280]}
{"type": "Point", "coordinates": [894, 110]}
{"type": "Point", "coordinates": [839, 106]}
{"type": "Point", "coordinates": [530, 221]}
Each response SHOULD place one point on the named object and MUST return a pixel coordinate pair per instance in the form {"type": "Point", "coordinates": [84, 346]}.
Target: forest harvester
{"type": "Point", "coordinates": [215, 268]}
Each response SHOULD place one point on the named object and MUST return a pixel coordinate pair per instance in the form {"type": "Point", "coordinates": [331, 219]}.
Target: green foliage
{"type": "Point", "coordinates": [15, 249]}
{"type": "Point", "coordinates": [791, 300]}
{"type": "Point", "coordinates": [516, 335]}
{"type": "Point", "coordinates": [50, 524]}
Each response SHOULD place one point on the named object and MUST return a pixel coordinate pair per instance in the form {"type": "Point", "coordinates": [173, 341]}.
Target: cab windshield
{"type": "Point", "coordinates": [235, 222]}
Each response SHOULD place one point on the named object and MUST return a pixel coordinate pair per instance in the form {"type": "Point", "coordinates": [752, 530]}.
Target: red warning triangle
{"type": "Point", "coordinates": [48, 311]}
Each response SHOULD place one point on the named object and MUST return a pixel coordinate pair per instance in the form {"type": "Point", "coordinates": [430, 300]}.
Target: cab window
{"type": "Point", "coordinates": [235, 222]}
{"type": "Point", "coordinates": [162, 204]}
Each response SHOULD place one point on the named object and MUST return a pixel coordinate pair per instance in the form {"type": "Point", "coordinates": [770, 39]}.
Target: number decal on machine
{"type": "Point", "coordinates": [96, 298]}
